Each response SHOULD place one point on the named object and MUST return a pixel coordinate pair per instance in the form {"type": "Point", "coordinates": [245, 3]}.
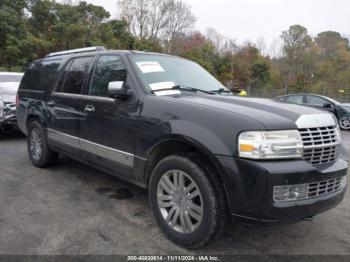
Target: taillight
{"type": "Point", "coordinates": [17, 100]}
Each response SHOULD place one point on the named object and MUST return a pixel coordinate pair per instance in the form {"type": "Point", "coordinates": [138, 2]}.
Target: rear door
{"type": "Point", "coordinates": [64, 105]}
{"type": "Point", "coordinates": [108, 128]}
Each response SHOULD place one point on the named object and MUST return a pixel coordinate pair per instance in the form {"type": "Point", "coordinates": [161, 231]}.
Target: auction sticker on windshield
{"type": "Point", "coordinates": [150, 67]}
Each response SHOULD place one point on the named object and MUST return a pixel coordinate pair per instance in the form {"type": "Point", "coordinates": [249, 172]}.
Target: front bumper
{"type": "Point", "coordinates": [249, 188]}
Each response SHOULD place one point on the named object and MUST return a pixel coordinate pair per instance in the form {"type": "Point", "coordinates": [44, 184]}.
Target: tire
{"type": "Point", "coordinates": [344, 123]}
{"type": "Point", "coordinates": [38, 149]}
{"type": "Point", "coordinates": [207, 210]}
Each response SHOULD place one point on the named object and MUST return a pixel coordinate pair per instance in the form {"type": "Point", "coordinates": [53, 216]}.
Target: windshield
{"type": "Point", "coordinates": [11, 78]}
{"type": "Point", "coordinates": [164, 72]}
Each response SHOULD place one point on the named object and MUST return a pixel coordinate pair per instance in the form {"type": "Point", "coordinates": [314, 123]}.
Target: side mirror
{"type": "Point", "coordinates": [117, 90]}
{"type": "Point", "coordinates": [327, 105]}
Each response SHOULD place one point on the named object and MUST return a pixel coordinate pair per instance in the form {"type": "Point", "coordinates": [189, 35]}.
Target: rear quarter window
{"type": "Point", "coordinates": [40, 75]}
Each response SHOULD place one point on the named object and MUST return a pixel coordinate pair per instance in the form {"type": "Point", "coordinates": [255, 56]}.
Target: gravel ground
{"type": "Point", "coordinates": [72, 209]}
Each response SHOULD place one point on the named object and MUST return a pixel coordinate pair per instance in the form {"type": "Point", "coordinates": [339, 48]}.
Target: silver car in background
{"type": "Point", "coordinates": [9, 83]}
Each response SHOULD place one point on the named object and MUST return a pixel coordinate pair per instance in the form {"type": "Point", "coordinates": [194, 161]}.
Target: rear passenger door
{"type": "Point", "coordinates": [108, 129]}
{"type": "Point", "coordinates": [64, 105]}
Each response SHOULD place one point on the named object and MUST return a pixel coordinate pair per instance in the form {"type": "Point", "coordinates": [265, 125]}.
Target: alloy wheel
{"type": "Point", "coordinates": [180, 201]}
{"type": "Point", "coordinates": [345, 123]}
{"type": "Point", "coordinates": [35, 144]}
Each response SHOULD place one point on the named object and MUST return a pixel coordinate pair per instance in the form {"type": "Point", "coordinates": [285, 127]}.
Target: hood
{"type": "Point", "coordinates": [270, 113]}
{"type": "Point", "coordinates": [8, 91]}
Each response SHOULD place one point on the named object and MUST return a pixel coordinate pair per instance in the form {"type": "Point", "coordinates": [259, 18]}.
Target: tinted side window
{"type": "Point", "coordinates": [109, 68]}
{"type": "Point", "coordinates": [40, 74]}
{"type": "Point", "coordinates": [74, 75]}
{"type": "Point", "coordinates": [295, 99]}
{"type": "Point", "coordinates": [315, 100]}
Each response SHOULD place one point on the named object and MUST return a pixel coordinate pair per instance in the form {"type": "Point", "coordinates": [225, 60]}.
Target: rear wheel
{"type": "Point", "coordinates": [185, 201]}
{"type": "Point", "coordinates": [344, 123]}
{"type": "Point", "coordinates": [38, 149]}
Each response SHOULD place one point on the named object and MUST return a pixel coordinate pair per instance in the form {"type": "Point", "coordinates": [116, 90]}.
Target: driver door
{"type": "Point", "coordinates": [108, 130]}
{"type": "Point", "coordinates": [320, 103]}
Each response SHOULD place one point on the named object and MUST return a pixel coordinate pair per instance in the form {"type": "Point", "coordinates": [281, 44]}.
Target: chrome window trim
{"type": "Point", "coordinates": [84, 97]}
{"type": "Point", "coordinates": [67, 95]}
{"type": "Point", "coordinates": [109, 153]}
{"type": "Point", "coordinates": [99, 98]}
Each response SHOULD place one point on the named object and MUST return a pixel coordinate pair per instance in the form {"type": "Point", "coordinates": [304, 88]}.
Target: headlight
{"type": "Point", "coordinates": [270, 144]}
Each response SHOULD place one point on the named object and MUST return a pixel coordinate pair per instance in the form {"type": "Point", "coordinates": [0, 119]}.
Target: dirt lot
{"type": "Point", "coordinates": [74, 209]}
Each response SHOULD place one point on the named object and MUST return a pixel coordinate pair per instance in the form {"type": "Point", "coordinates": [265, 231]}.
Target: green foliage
{"type": "Point", "coordinates": [260, 72]}
{"type": "Point", "coordinates": [13, 35]}
{"type": "Point", "coordinates": [203, 55]}
{"type": "Point", "coordinates": [120, 32]}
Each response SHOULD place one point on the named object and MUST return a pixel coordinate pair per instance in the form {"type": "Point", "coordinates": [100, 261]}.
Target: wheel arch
{"type": "Point", "coordinates": [33, 117]}
{"type": "Point", "coordinates": [178, 145]}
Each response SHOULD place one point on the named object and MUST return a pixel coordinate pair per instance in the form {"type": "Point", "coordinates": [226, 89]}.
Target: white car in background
{"type": "Point", "coordinates": [9, 83]}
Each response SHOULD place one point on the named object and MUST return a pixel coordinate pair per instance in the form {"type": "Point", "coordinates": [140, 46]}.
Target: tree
{"type": "Point", "coordinates": [296, 44]}
{"type": "Point", "coordinates": [216, 38]}
{"type": "Point", "coordinates": [181, 19]}
{"type": "Point", "coordinates": [331, 42]}
{"type": "Point", "coordinates": [158, 20]}
{"type": "Point", "coordinates": [14, 39]}
{"type": "Point", "coordinates": [68, 26]}
{"type": "Point", "coordinates": [137, 14]}
{"type": "Point", "coordinates": [125, 40]}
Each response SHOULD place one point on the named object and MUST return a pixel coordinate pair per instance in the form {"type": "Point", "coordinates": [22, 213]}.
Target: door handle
{"type": "Point", "coordinates": [89, 109]}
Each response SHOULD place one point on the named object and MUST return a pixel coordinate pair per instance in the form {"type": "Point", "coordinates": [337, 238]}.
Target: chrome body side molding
{"type": "Point", "coordinates": [109, 153]}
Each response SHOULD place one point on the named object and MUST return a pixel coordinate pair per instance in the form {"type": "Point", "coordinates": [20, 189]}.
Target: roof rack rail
{"type": "Point", "coordinates": [78, 50]}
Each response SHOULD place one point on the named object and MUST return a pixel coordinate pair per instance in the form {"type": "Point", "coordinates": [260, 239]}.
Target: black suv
{"type": "Point", "coordinates": [165, 124]}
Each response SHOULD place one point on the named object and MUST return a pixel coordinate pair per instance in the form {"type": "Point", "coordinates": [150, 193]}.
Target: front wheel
{"type": "Point", "coordinates": [344, 123]}
{"type": "Point", "coordinates": [38, 149]}
{"type": "Point", "coordinates": [186, 201]}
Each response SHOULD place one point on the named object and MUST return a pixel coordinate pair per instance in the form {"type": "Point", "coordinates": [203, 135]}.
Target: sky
{"type": "Point", "coordinates": [255, 19]}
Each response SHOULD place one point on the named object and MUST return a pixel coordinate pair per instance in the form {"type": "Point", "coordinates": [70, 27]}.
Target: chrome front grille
{"type": "Point", "coordinates": [325, 187]}
{"type": "Point", "coordinates": [320, 144]}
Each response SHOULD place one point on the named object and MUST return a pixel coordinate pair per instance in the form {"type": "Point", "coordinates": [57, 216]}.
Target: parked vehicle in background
{"type": "Point", "coordinates": [166, 124]}
{"type": "Point", "coordinates": [341, 111]}
{"type": "Point", "coordinates": [9, 83]}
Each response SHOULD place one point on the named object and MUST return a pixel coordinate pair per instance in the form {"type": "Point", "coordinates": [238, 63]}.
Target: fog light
{"type": "Point", "coordinates": [289, 193]}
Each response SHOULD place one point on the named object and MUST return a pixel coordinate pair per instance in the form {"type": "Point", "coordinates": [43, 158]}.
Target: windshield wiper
{"type": "Point", "coordinates": [186, 88]}
{"type": "Point", "coordinates": [222, 90]}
